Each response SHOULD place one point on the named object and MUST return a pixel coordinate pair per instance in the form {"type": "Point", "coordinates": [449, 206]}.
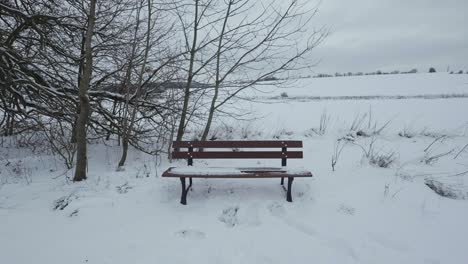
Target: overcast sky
{"type": "Point", "coordinates": [370, 35]}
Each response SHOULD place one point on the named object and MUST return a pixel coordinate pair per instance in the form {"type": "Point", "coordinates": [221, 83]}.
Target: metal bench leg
{"type": "Point", "coordinates": [282, 180]}
{"type": "Point", "coordinates": [183, 197]}
{"type": "Point", "coordinates": [289, 196]}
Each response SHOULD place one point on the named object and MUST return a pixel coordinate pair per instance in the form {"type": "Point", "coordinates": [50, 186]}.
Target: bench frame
{"type": "Point", "coordinates": [260, 172]}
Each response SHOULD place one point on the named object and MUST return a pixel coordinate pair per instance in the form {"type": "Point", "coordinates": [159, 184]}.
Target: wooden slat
{"type": "Point", "coordinates": [250, 175]}
{"type": "Point", "coordinates": [237, 155]}
{"type": "Point", "coordinates": [238, 144]}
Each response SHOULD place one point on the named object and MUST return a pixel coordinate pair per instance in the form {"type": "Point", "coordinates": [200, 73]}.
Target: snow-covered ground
{"type": "Point", "coordinates": [393, 84]}
{"type": "Point", "coordinates": [359, 213]}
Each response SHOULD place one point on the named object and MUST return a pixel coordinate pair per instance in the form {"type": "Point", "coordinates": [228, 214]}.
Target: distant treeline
{"type": "Point", "coordinates": [458, 72]}
{"type": "Point", "coordinates": [338, 74]}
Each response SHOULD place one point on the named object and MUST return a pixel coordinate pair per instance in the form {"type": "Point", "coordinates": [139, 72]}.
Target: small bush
{"type": "Point", "coordinates": [17, 171]}
{"type": "Point", "coordinates": [337, 149]}
{"type": "Point", "coordinates": [247, 132]}
{"type": "Point", "coordinates": [282, 133]}
{"type": "Point", "coordinates": [323, 125]}
{"type": "Point", "coordinates": [284, 95]}
{"type": "Point", "coordinates": [406, 133]}
{"type": "Point", "coordinates": [432, 70]}
{"type": "Point", "coordinates": [366, 126]}
{"type": "Point", "coordinates": [446, 190]}
{"type": "Point", "coordinates": [382, 160]}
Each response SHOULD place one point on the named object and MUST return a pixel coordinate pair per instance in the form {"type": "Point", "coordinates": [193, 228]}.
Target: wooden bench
{"type": "Point", "coordinates": [233, 151]}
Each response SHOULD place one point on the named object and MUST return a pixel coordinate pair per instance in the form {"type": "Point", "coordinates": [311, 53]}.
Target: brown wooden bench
{"type": "Point", "coordinates": [235, 150]}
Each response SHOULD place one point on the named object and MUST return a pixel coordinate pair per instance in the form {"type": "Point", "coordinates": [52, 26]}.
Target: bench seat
{"type": "Point", "coordinates": [226, 172]}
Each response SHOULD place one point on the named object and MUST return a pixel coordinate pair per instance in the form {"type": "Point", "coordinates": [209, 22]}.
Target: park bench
{"type": "Point", "coordinates": [191, 150]}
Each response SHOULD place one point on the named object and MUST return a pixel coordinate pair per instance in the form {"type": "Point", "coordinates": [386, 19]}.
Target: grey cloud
{"type": "Point", "coordinates": [382, 34]}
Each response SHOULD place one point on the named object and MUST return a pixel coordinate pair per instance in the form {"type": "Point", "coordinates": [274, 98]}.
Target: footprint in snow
{"type": "Point", "coordinates": [62, 202]}
{"type": "Point", "coordinates": [190, 234]}
{"type": "Point", "coordinates": [124, 188]}
{"type": "Point", "coordinates": [251, 216]}
{"type": "Point", "coordinates": [388, 243]}
{"type": "Point", "coordinates": [229, 216]}
{"type": "Point", "coordinates": [277, 209]}
{"type": "Point", "coordinates": [346, 209]}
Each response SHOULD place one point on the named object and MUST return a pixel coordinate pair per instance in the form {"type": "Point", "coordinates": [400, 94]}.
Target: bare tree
{"type": "Point", "coordinates": [45, 65]}
{"type": "Point", "coordinates": [128, 124]}
{"type": "Point", "coordinates": [192, 49]}
{"type": "Point", "coordinates": [260, 47]}
{"type": "Point", "coordinates": [242, 43]}
{"type": "Point", "coordinates": [82, 121]}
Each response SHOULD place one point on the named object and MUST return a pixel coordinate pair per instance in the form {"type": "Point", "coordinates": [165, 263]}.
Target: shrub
{"type": "Point", "coordinates": [284, 95]}
{"type": "Point", "coordinates": [432, 70]}
{"type": "Point", "coordinates": [446, 190]}
{"type": "Point", "coordinates": [337, 149]}
{"type": "Point", "coordinates": [282, 133]}
{"type": "Point", "coordinates": [365, 126]}
{"type": "Point", "coordinates": [406, 133]}
{"type": "Point", "coordinates": [323, 125]}
{"type": "Point", "coordinates": [382, 160]}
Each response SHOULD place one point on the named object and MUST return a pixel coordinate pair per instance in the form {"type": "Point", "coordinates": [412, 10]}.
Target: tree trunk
{"type": "Point", "coordinates": [218, 81]}
{"type": "Point", "coordinates": [12, 124]}
{"type": "Point", "coordinates": [210, 115]}
{"type": "Point", "coordinates": [81, 157]}
{"type": "Point", "coordinates": [123, 158]}
{"type": "Point", "coordinates": [183, 115]}
{"type": "Point", "coordinates": [128, 126]}
{"type": "Point", "coordinates": [80, 75]}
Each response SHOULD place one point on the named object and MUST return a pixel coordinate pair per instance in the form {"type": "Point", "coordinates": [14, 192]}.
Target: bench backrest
{"type": "Point", "coordinates": [198, 150]}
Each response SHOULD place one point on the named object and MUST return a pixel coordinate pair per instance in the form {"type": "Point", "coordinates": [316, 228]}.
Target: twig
{"type": "Point", "coordinates": [393, 196]}
{"type": "Point", "coordinates": [429, 160]}
{"type": "Point", "coordinates": [435, 140]}
{"type": "Point", "coordinates": [458, 174]}
{"type": "Point", "coordinates": [462, 150]}
{"type": "Point", "coordinates": [56, 177]}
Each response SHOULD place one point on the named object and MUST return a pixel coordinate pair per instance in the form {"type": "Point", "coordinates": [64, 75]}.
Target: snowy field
{"type": "Point", "coordinates": [359, 213]}
{"type": "Point", "coordinates": [383, 85]}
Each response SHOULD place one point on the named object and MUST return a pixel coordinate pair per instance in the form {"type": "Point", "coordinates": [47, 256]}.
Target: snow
{"type": "Point", "coordinates": [383, 85]}
{"type": "Point", "coordinates": [357, 214]}
{"type": "Point", "coordinates": [220, 171]}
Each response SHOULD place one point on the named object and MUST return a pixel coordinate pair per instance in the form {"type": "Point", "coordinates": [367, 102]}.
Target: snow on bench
{"type": "Point", "coordinates": [226, 172]}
